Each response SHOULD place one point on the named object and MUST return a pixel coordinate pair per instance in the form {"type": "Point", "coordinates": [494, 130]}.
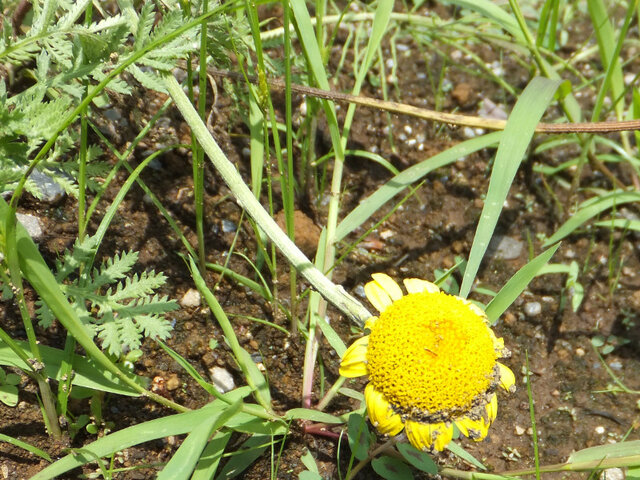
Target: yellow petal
{"type": "Point", "coordinates": [419, 435]}
{"type": "Point", "coordinates": [417, 285]}
{"type": "Point", "coordinates": [388, 284]}
{"type": "Point", "coordinates": [478, 311]}
{"type": "Point", "coordinates": [425, 436]}
{"type": "Point", "coordinates": [354, 360]}
{"type": "Point", "coordinates": [441, 434]}
{"type": "Point", "coordinates": [498, 343]}
{"type": "Point", "coordinates": [492, 408]}
{"type": "Point", "coordinates": [382, 416]}
{"type": "Point", "coordinates": [474, 429]}
{"type": "Point", "coordinates": [369, 323]}
{"type": "Point", "coordinates": [507, 378]}
{"type": "Point", "coordinates": [378, 296]}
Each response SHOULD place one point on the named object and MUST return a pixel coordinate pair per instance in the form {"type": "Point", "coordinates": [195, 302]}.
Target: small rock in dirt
{"type": "Point", "coordinates": [50, 190]}
{"type": "Point", "coordinates": [32, 224]}
{"type": "Point", "coordinates": [520, 430]}
{"type": "Point", "coordinates": [462, 94]}
{"type": "Point", "coordinates": [228, 226]}
{"type": "Point", "coordinates": [191, 299]}
{"type": "Point", "coordinates": [359, 291]}
{"type": "Point", "coordinates": [509, 319]}
{"type": "Point", "coordinates": [615, 366]}
{"type": "Point", "coordinates": [253, 344]}
{"type": "Point", "coordinates": [612, 474]}
{"type": "Point", "coordinates": [580, 352]}
{"type": "Point", "coordinates": [600, 430]}
{"type": "Point", "coordinates": [532, 309]}
{"type": "Point", "coordinates": [505, 248]}
{"type": "Point", "coordinates": [256, 358]}
{"type": "Point", "coordinates": [488, 109]}
{"type": "Point", "coordinates": [307, 233]}
{"type": "Point", "coordinates": [173, 382]}
{"type": "Point", "coordinates": [222, 379]}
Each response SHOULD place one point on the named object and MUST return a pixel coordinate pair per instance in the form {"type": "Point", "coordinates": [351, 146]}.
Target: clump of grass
{"type": "Point", "coordinates": [75, 63]}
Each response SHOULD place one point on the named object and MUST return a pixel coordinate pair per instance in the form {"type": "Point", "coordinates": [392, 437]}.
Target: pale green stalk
{"type": "Point", "coordinates": [333, 293]}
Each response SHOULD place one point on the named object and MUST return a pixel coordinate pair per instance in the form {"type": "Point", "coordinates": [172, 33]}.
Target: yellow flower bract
{"type": "Point", "coordinates": [431, 352]}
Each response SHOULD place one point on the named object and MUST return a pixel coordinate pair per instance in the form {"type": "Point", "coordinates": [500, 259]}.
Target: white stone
{"type": "Point", "coordinates": [531, 309]}
{"type": "Point", "coordinates": [191, 299]}
{"type": "Point", "coordinates": [50, 190]}
{"type": "Point", "coordinates": [612, 474]}
{"type": "Point", "coordinates": [505, 248]}
{"type": "Point", "coordinates": [32, 224]}
{"type": "Point", "coordinates": [222, 379]}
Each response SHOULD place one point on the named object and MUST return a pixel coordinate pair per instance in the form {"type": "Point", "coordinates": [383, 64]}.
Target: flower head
{"type": "Point", "coordinates": [432, 362]}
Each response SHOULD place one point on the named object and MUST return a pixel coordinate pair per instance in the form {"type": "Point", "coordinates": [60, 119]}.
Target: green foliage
{"type": "Point", "coordinates": [8, 388]}
{"type": "Point", "coordinates": [119, 307]}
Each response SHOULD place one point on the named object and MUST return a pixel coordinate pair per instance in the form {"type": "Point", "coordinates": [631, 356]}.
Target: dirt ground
{"type": "Point", "coordinates": [428, 232]}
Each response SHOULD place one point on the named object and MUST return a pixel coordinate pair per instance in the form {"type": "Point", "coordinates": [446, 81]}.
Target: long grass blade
{"type": "Point", "coordinates": [517, 284]}
{"type": "Point", "coordinates": [162, 427]}
{"type": "Point", "coordinates": [397, 184]}
{"type": "Point", "coordinates": [516, 137]}
{"type": "Point", "coordinates": [590, 209]}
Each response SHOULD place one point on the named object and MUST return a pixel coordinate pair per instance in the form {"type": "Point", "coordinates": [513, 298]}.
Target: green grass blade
{"type": "Point", "coordinates": [162, 427]}
{"type": "Point", "coordinates": [186, 458]}
{"type": "Point", "coordinates": [620, 223]}
{"type": "Point", "coordinates": [86, 372]}
{"type": "Point", "coordinates": [609, 51]}
{"type": "Point", "coordinates": [309, 414]}
{"type": "Point", "coordinates": [493, 12]}
{"type": "Point", "coordinates": [211, 456]}
{"type": "Point", "coordinates": [516, 285]}
{"type": "Point", "coordinates": [397, 184]}
{"type": "Point", "coordinates": [193, 373]}
{"type": "Point", "coordinates": [610, 451]}
{"type": "Point", "coordinates": [590, 209]}
{"type": "Point", "coordinates": [20, 444]}
{"type": "Point", "coordinates": [516, 137]}
{"type": "Point", "coordinates": [249, 451]}
{"type": "Point", "coordinates": [252, 375]}
{"type": "Point", "coordinates": [456, 449]}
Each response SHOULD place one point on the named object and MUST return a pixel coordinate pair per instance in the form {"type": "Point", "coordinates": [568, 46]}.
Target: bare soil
{"type": "Point", "coordinates": [434, 227]}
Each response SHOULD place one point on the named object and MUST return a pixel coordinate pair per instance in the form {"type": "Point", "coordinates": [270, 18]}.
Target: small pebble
{"type": "Point", "coordinates": [505, 248]}
{"type": "Point", "coordinates": [191, 299]}
{"type": "Point", "coordinates": [256, 358]}
{"type": "Point", "coordinates": [532, 309]}
{"type": "Point", "coordinates": [32, 224]}
{"type": "Point", "coordinates": [50, 191]}
{"type": "Point", "coordinates": [222, 379]}
{"type": "Point", "coordinates": [519, 430]}
{"type": "Point", "coordinates": [615, 365]}
{"type": "Point", "coordinates": [612, 474]}
{"type": "Point", "coordinates": [580, 352]}
{"type": "Point", "coordinates": [173, 382]}
{"type": "Point", "coordinates": [600, 430]}
{"type": "Point", "coordinates": [228, 226]}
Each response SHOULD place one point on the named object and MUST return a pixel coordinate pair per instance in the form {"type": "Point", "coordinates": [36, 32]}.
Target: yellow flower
{"type": "Point", "coordinates": [432, 362]}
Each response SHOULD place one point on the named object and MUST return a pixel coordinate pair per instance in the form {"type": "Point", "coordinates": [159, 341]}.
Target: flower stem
{"type": "Point", "coordinates": [363, 463]}
{"type": "Point", "coordinates": [331, 393]}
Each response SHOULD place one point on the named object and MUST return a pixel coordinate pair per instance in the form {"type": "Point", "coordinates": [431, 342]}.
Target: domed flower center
{"type": "Point", "coordinates": [431, 353]}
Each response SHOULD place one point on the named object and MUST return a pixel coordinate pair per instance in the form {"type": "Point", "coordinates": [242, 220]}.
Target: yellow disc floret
{"type": "Point", "coordinates": [431, 353]}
